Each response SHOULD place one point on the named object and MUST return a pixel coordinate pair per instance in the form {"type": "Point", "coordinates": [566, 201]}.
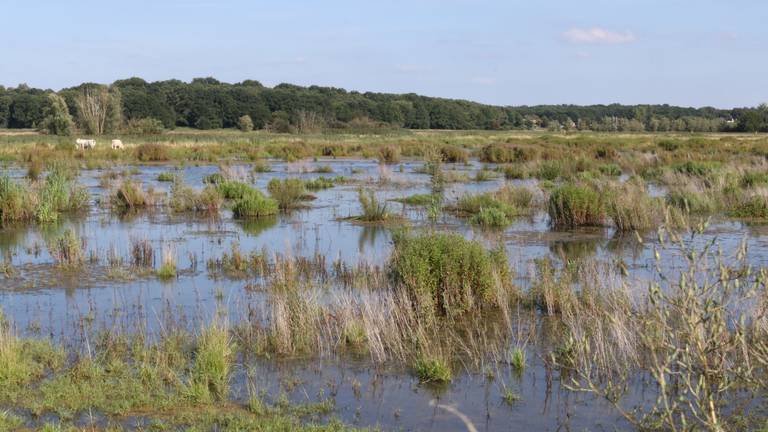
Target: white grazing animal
{"type": "Point", "coordinates": [117, 144]}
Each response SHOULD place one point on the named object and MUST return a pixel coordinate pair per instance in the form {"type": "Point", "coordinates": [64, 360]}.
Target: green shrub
{"type": "Point", "coordinates": [453, 154]}
{"type": "Point", "coordinates": [690, 201]}
{"type": "Point", "coordinates": [244, 123]}
{"type": "Point", "coordinates": [611, 170]}
{"type": "Point", "coordinates": [514, 172]}
{"type": "Point", "coordinates": [214, 356]}
{"type": "Point", "coordinates": [389, 154]}
{"type": "Point", "coordinates": [550, 170]}
{"type": "Point", "coordinates": [433, 370]}
{"type": "Point", "coordinates": [233, 190]}
{"type": "Point", "coordinates": [669, 145]}
{"type": "Point", "coordinates": [166, 177]}
{"type": "Point", "coordinates": [631, 209]}
{"type": "Point", "coordinates": [214, 179]}
{"type": "Point", "coordinates": [323, 183]}
{"type": "Point", "coordinates": [15, 204]}
{"type": "Point", "coordinates": [373, 209]}
{"type": "Point", "coordinates": [490, 217]}
{"type": "Point", "coordinates": [152, 152]}
{"type": "Point", "coordinates": [287, 192]}
{"type": "Point", "coordinates": [697, 168]}
{"type": "Point", "coordinates": [753, 207]}
{"type": "Point", "coordinates": [416, 200]}
{"type": "Point", "coordinates": [130, 196]}
{"type": "Point", "coordinates": [571, 205]}
{"type": "Point", "coordinates": [144, 126]}
{"type": "Point", "coordinates": [67, 249]}
{"type": "Point", "coordinates": [262, 167]}
{"type": "Point", "coordinates": [254, 204]}
{"type": "Point", "coordinates": [505, 153]}
{"type": "Point", "coordinates": [447, 275]}
{"type": "Point", "coordinates": [185, 198]}
{"type": "Point", "coordinates": [754, 178]}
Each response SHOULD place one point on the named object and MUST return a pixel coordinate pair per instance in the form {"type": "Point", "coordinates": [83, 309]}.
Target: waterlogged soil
{"type": "Point", "coordinates": [44, 300]}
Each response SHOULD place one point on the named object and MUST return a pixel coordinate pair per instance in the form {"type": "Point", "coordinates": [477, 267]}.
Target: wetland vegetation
{"type": "Point", "coordinates": [246, 280]}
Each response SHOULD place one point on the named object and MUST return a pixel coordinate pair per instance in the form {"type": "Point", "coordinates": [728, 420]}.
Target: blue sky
{"type": "Point", "coordinates": [681, 52]}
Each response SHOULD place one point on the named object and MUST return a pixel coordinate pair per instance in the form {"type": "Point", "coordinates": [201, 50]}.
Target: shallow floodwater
{"type": "Point", "coordinates": [45, 301]}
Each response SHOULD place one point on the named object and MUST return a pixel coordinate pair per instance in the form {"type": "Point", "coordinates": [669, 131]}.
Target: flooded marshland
{"type": "Point", "coordinates": [341, 263]}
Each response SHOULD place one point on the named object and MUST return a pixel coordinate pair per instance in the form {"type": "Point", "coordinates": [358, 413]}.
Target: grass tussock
{"type": "Point", "coordinates": [446, 275]}
{"type": "Point", "coordinates": [288, 192]}
{"type": "Point", "coordinates": [131, 196]}
{"type": "Point", "coordinates": [573, 205]}
{"type": "Point", "coordinates": [373, 209]}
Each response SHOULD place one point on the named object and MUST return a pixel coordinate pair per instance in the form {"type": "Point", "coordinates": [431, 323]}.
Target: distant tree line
{"type": "Point", "coordinates": [206, 103]}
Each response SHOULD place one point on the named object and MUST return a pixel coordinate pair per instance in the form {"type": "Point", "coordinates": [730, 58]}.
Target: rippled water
{"type": "Point", "coordinates": [44, 300]}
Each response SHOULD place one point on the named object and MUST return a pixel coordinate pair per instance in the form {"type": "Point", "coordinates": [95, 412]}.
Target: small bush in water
{"type": "Point", "coordinates": [572, 205]}
{"type": "Point", "coordinates": [254, 204]}
{"type": "Point", "coordinates": [446, 274]}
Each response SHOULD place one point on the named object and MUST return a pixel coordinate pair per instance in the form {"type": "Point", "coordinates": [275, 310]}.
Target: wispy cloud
{"type": "Point", "coordinates": [597, 35]}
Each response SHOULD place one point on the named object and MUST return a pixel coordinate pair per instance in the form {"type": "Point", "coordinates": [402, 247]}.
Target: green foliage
{"type": "Point", "coordinates": [690, 201]}
{"type": "Point", "coordinates": [697, 168]}
{"type": "Point", "coordinates": [453, 154]}
{"type": "Point", "coordinates": [245, 123]}
{"type": "Point", "coordinates": [550, 170]}
{"type": "Point", "coordinates": [373, 209]}
{"type": "Point", "coordinates": [57, 120]}
{"type": "Point", "coordinates": [214, 354]}
{"type": "Point", "coordinates": [389, 154]}
{"type": "Point", "coordinates": [167, 177]}
{"type": "Point", "coordinates": [67, 250]}
{"type": "Point", "coordinates": [151, 152]}
{"type": "Point", "coordinates": [572, 205]}
{"type": "Point", "coordinates": [490, 217]}
{"type": "Point", "coordinates": [416, 200]}
{"type": "Point", "coordinates": [144, 126]}
{"type": "Point", "coordinates": [433, 370]}
{"type": "Point", "coordinates": [233, 190]}
{"type": "Point", "coordinates": [447, 275]}
{"type": "Point", "coordinates": [253, 204]}
{"type": "Point", "coordinates": [185, 198]}
{"type": "Point", "coordinates": [752, 207]}
{"type": "Point", "coordinates": [754, 178]}
{"type": "Point", "coordinates": [611, 170]}
{"type": "Point", "coordinates": [288, 192]}
{"type": "Point", "coordinates": [131, 196]}
{"type": "Point", "coordinates": [324, 183]}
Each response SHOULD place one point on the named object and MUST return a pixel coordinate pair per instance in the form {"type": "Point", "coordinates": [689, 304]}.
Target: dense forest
{"type": "Point", "coordinates": [206, 103]}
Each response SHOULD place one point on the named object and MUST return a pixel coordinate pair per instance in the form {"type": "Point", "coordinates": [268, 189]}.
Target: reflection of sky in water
{"type": "Point", "coordinates": [48, 302]}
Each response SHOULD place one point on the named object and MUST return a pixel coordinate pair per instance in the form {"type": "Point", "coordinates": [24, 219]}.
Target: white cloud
{"type": "Point", "coordinates": [597, 35]}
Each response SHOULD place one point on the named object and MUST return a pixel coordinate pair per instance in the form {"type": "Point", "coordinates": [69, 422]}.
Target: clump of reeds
{"type": "Point", "coordinates": [214, 356]}
{"type": "Point", "coordinates": [67, 250]}
{"type": "Point", "coordinates": [152, 152]}
{"type": "Point", "coordinates": [167, 269]}
{"type": "Point", "coordinates": [131, 196]}
{"type": "Point", "coordinates": [288, 192]}
{"type": "Point", "coordinates": [433, 370]}
{"type": "Point", "coordinates": [142, 253]}
{"type": "Point", "coordinates": [573, 205]}
{"type": "Point", "coordinates": [448, 275]}
{"type": "Point", "coordinates": [166, 177]}
{"type": "Point", "coordinates": [453, 154]}
{"type": "Point", "coordinates": [631, 209]}
{"type": "Point", "coordinates": [389, 154]}
{"type": "Point", "coordinates": [373, 209]}
{"type": "Point", "coordinates": [253, 204]}
{"type": "Point", "coordinates": [185, 198]}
